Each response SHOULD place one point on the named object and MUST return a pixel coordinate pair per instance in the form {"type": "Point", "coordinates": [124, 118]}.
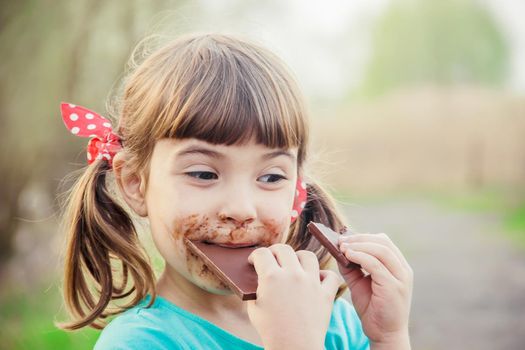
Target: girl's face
{"type": "Point", "coordinates": [221, 194]}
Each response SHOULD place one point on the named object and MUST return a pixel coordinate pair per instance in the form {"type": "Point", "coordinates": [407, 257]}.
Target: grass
{"type": "Point", "coordinates": [26, 323]}
{"type": "Point", "coordinates": [27, 318]}
{"type": "Point", "coordinates": [510, 204]}
{"type": "Point", "coordinates": [515, 224]}
{"type": "Point", "coordinates": [511, 207]}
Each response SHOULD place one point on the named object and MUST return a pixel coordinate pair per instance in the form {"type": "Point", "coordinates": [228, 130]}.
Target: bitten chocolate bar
{"type": "Point", "coordinates": [230, 265]}
{"type": "Point", "coordinates": [329, 239]}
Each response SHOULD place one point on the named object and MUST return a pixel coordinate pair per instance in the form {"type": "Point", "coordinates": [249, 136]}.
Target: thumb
{"type": "Point", "coordinates": [330, 281]}
{"type": "Point", "coordinates": [351, 276]}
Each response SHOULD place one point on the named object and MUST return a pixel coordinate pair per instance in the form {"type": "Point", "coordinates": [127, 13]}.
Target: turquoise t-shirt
{"type": "Point", "coordinates": [166, 326]}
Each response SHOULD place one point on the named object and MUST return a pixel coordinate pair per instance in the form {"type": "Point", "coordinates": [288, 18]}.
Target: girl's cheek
{"type": "Point", "coordinates": [274, 231]}
{"type": "Point", "coordinates": [195, 227]}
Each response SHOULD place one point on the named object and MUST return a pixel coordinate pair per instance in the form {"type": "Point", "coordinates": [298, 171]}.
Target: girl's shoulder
{"type": "Point", "coordinates": [141, 327]}
{"type": "Point", "coordinates": [345, 330]}
{"type": "Point", "coordinates": [165, 325]}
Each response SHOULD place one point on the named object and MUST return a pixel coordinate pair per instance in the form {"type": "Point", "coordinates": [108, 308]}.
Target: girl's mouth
{"type": "Point", "coordinates": [233, 245]}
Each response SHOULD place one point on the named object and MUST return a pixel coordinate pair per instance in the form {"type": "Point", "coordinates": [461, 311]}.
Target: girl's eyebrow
{"type": "Point", "coordinates": [281, 152]}
{"type": "Point", "coordinates": [218, 155]}
{"type": "Point", "coordinates": [199, 150]}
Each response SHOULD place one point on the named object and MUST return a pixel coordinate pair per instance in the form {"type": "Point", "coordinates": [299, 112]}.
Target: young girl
{"type": "Point", "coordinates": [211, 145]}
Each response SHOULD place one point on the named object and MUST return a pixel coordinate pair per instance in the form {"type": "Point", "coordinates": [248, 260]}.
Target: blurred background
{"type": "Point", "coordinates": [418, 113]}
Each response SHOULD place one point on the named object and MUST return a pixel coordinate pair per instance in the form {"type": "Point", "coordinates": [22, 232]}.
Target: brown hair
{"type": "Point", "coordinates": [217, 88]}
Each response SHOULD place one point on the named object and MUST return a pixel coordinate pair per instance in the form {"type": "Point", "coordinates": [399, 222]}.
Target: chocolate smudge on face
{"type": "Point", "coordinates": [206, 273]}
{"type": "Point", "coordinates": [191, 223]}
{"type": "Point", "coordinates": [275, 230]}
{"type": "Point", "coordinates": [197, 227]}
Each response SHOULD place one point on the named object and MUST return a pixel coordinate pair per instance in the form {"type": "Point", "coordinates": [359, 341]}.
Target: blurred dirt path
{"type": "Point", "coordinates": [469, 288]}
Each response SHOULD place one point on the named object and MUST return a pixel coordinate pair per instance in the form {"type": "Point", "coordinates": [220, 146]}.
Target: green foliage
{"type": "Point", "coordinates": [26, 322]}
{"type": "Point", "coordinates": [515, 223]}
{"type": "Point", "coordinates": [435, 41]}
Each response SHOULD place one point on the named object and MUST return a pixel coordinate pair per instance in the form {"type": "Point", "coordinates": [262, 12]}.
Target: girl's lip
{"type": "Point", "coordinates": [233, 245]}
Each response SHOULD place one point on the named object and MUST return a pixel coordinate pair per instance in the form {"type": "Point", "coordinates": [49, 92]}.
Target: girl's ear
{"type": "Point", "coordinates": [131, 184]}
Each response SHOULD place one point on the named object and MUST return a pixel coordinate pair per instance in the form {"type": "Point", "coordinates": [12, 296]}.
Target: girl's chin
{"type": "Point", "coordinates": [213, 286]}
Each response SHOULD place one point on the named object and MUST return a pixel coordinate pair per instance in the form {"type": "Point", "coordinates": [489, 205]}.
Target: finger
{"type": "Point", "coordinates": [351, 276]}
{"type": "Point", "coordinates": [330, 281]}
{"type": "Point", "coordinates": [309, 261]}
{"type": "Point", "coordinates": [285, 256]}
{"type": "Point", "coordinates": [381, 252]}
{"type": "Point", "coordinates": [263, 261]}
{"type": "Point", "coordinates": [381, 238]}
{"type": "Point", "coordinates": [380, 274]}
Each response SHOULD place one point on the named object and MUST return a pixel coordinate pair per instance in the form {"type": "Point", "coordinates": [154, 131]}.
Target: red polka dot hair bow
{"type": "Point", "coordinates": [300, 198]}
{"type": "Point", "coordinates": [85, 123]}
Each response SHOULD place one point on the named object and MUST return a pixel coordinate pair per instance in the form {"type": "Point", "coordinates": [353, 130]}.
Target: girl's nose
{"type": "Point", "coordinates": [239, 220]}
{"type": "Point", "coordinates": [238, 207]}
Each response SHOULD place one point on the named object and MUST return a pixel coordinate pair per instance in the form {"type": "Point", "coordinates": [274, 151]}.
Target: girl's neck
{"type": "Point", "coordinates": [183, 293]}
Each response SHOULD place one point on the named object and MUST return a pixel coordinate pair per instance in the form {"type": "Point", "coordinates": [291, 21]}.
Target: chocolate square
{"type": "Point", "coordinates": [329, 239]}
{"type": "Point", "coordinates": [230, 265]}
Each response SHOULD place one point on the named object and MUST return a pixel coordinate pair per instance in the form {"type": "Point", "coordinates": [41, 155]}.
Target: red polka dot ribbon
{"type": "Point", "coordinates": [86, 123]}
{"type": "Point", "coordinates": [300, 199]}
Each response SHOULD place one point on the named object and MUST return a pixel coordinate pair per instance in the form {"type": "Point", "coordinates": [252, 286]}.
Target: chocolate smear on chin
{"type": "Point", "coordinates": [196, 267]}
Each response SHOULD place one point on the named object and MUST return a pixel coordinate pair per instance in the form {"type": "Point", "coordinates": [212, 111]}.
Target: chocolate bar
{"type": "Point", "coordinates": [230, 265]}
{"type": "Point", "coordinates": [329, 239]}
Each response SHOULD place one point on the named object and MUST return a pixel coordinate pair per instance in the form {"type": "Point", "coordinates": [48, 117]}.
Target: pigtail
{"type": "Point", "coordinates": [319, 208]}
{"type": "Point", "coordinates": [101, 241]}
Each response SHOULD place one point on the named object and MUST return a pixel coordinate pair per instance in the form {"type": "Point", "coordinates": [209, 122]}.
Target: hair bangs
{"type": "Point", "coordinates": [236, 98]}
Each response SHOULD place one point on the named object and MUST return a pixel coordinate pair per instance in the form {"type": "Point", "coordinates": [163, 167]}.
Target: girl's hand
{"type": "Point", "coordinates": [294, 298]}
{"type": "Point", "coordinates": [382, 298]}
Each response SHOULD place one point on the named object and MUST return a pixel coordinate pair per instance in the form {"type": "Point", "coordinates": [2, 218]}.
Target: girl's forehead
{"type": "Point", "coordinates": [192, 146]}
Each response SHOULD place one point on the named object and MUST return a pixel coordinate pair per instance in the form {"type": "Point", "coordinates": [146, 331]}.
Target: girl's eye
{"type": "Point", "coordinates": [206, 175]}
{"type": "Point", "coordinates": [275, 177]}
